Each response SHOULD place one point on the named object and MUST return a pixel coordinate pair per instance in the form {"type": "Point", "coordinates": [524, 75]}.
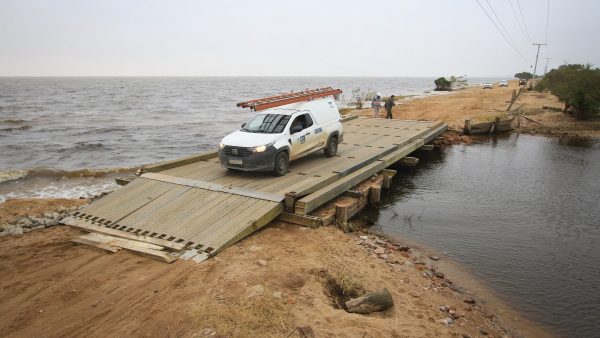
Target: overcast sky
{"type": "Point", "coordinates": [280, 38]}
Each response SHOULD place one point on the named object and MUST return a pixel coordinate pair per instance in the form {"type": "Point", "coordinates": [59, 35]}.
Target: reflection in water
{"type": "Point", "coordinates": [566, 140]}
{"type": "Point", "coordinates": [521, 211]}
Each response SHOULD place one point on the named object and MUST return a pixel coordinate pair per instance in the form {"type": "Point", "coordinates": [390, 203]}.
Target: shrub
{"type": "Point", "coordinates": [578, 86]}
{"type": "Point", "coordinates": [441, 84]}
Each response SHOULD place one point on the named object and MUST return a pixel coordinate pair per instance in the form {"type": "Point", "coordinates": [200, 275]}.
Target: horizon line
{"type": "Point", "coordinates": [250, 76]}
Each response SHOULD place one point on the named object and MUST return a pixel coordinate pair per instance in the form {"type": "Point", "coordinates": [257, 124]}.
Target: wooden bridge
{"type": "Point", "coordinates": [193, 207]}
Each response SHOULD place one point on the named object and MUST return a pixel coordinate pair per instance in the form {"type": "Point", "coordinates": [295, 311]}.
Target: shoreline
{"type": "Point", "coordinates": [467, 284]}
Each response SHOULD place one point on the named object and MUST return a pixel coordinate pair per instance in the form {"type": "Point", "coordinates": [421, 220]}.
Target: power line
{"type": "Point", "coordinates": [519, 21]}
{"type": "Point", "coordinates": [547, 20]}
{"type": "Point", "coordinates": [523, 19]}
{"type": "Point", "coordinates": [500, 21]}
{"type": "Point", "coordinates": [500, 31]}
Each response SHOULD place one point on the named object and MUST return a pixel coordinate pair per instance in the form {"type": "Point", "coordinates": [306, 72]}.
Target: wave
{"type": "Point", "coordinates": [105, 130]}
{"type": "Point", "coordinates": [83, 146]}
{"type": "Point", "coordinates": [17, 174]}
{"type": "Point", "coordinates": [25, 127]}
{"type": "Point", "coordinates": [13, 121]}
{"type": "Point", "coordinates": [12, 175]}
{"type": "Point", "coordinates": [61, 190]}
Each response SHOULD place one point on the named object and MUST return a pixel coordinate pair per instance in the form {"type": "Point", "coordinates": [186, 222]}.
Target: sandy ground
{"type": "Point", "coordinates": [281, 279]}
{"type": "Point", "coordinates": [483, 105]}
{"type": "Point", "coordinates": [267, 285]}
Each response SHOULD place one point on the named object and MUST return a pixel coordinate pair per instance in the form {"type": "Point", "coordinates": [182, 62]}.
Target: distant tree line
{"type": "Point", "coordinates": [577, 86]}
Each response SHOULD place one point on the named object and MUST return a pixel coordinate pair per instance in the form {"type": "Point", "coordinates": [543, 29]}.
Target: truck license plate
{"type": "Point", "coordinates": [237, 162]}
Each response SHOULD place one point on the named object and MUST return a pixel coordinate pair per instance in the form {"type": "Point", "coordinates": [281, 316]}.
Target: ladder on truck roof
{"type": "Point", "coordinates": [283, 99]}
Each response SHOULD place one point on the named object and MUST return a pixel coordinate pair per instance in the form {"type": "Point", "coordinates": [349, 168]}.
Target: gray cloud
{"type": "Point", "coordinates": [339, 38]}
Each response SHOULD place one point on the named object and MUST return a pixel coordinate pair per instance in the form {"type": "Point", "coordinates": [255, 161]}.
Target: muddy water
{"type": "Point", "coordinates": [522, 213]}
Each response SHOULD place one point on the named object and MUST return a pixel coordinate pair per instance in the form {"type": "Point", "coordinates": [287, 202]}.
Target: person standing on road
{"type": "Point", "coordinates": [388, 107]}
{"type": "Point", "coordinates": [376, 105]}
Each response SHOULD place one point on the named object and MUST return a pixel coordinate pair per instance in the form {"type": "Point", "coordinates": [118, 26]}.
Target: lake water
{"type": "Point", "coordinates": [55, 128]}
{"type": "Point", "coordinates": [75, 123]}
{"type": "Point", "coordinates": [520, 212]}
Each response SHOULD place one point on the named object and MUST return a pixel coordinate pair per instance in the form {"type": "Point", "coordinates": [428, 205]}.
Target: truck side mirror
{"type": "Point", "coordinates": [243, 124]}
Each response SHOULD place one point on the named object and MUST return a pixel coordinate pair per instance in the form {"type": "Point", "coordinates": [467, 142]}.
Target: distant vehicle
{"type": "Point", "coordinates": [503, 83]}
{"type": "Point", "coordinates": [487, 85]}
{"type": "Point", "coordinates": [522, 82]}
{"type": "Point", "coordinates": [275, 136]}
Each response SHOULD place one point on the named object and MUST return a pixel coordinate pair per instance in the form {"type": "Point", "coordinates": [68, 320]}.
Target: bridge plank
{"type": "Point", "coordinates": [214, 187]}
{"type": "Point", "coordinates": [108, 231]}
{"type": "Point", "coordinates": [209, 207]}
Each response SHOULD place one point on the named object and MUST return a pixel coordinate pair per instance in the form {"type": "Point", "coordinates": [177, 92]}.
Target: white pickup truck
{"type": "Point", "coordinates": [276, 136]}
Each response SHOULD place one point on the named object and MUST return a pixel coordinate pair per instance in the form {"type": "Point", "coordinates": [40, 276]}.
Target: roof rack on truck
{"type": "Point", "coordinates": [283, 99]}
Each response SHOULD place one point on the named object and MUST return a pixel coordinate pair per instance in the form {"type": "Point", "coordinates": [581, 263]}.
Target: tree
{"type": "Point", "coordinates": [458, 82]}
{"type": "Point", "coordinates": [441, 84]}
{"type": "Point", "coordinates": [524, 76]}
{"type": "Point", "coordinates": [578, 86]}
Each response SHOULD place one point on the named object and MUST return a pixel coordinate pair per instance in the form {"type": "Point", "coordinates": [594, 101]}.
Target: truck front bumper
{"type": "Point", "coordinates": [263, 161]}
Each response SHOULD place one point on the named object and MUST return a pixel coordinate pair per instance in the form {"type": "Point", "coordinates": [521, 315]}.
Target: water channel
{"type": "Point", "coordinates": [520, 212]}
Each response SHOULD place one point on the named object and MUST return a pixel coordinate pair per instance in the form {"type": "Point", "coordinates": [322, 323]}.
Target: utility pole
{"type": "Point", "coordinates": [536, 57]}
{"type": "Point", "coordinates": [546, 69]}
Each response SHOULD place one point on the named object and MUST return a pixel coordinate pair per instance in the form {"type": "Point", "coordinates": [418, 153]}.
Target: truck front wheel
{"type": "Point", "coordinates": [331, 147]}
{"type": "Point", "coordinates": [281, 164]}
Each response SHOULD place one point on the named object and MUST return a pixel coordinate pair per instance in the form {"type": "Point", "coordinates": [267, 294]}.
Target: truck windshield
{"type": "Point", "coordinates": [267, 123]}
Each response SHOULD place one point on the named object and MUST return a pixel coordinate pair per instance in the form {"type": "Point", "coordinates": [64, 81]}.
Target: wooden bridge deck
{"type": "Point", "coordinates": [201, 205]}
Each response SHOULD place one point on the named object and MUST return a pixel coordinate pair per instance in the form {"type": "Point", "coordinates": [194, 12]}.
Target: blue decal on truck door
{"type": "Point", "coordinates": [302, 139]}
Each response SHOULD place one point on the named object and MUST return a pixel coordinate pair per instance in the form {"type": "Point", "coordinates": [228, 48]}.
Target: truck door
{"type": "Point", "coordinates": [320, 137]}
{"type": "Point", "coordinates": [304, 139]}
{"type": "Point", "coordinates": [317, 136]}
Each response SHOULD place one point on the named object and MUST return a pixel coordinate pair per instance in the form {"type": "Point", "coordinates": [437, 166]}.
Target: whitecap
{"type": "Point", "coordinates": [12, 175]}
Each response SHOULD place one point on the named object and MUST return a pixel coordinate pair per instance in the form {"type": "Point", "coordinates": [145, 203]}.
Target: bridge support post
{"type": "Point", "coordinates": [289, 202]}
{"type": "Point", "coordinates": [375, 195]}
{"type": "Point", "coordinates": [341, 215]}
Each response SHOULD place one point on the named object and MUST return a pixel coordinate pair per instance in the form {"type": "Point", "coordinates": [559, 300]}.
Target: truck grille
{"type": "Point", "coordinates": [237, 151]}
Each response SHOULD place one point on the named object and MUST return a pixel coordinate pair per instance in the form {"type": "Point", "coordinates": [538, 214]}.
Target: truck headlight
{"type": "Point", "coordinates": [221, 145]}
{"type": "Point", "coordinates": [260, 149]}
